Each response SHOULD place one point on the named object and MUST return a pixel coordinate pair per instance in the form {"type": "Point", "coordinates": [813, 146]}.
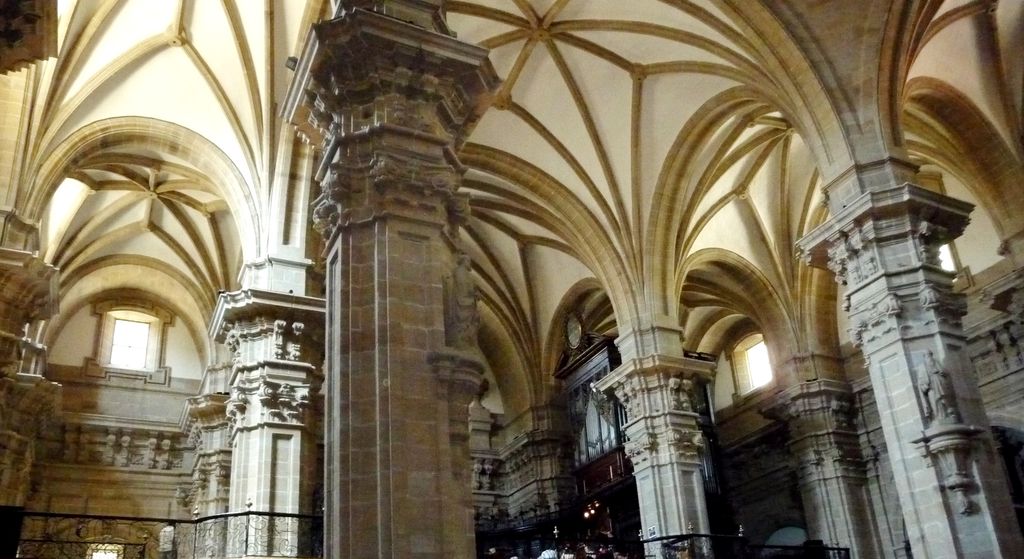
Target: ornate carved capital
{"type": "Point", "coordinates": [851, 243]}
{"type": "Point", "coordinates": [261, 401]}
{"type": "Point", "coordinates": [258, 326]}
{"type": "Point", "coordinates": [364, 71]}
{"type": "Point", "coordinates": [950, 447]}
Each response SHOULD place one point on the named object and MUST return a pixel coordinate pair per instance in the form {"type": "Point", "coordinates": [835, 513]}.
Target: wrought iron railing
{"type": "Point", "coordinates": [245, 534]}
{"type": "Point", "coordinates": [708, 546]}
{"type": "Point", "coordinates": [689, 546]}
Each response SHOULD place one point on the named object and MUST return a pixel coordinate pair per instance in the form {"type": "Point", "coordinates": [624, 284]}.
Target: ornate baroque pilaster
{"type": "Point", "coordinates": [389, 95]}
{"type": "Point", "coordinates": [883, 246]}
{"type": "Point", "coordinates": [664, 440]}
{"type": "Point", "coordinates": [28, 292]}
{"type": "Point", "coordinates": [823, 440]}
{"type": "Point", "coordinates": [276, 341]}
{"type": "Point", "coordinates": [211, 474]}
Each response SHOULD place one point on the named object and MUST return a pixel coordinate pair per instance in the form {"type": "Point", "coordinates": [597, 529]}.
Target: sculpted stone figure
{"type": "Point", "coordinates": [937, 393]}
{"type": "Point", "coordinates": [461, 317]}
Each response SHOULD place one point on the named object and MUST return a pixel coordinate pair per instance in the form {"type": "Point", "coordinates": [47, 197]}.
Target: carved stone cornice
{"type": "Point", "coordinates": [423, 13]}
{"type": "Point", "coordinates": [257, 402]}
{"type": "Point", "coordinates": [657, 392]}
{"type": "Point", "coordinates": [822, 434]}
{"type": "Point", "coordinates": [28, 403]}
{"type": "Point", "coordinates": [821, 405]}
{"type": "Point", "coordinates": [208, 411]}
{"type": "Point", "coordinates": [270, 325]}
{"type": "Point", "coordinates": [389, 102]}
{"type": "Point", "coordinates": [28, 285]}
{"type": "Point", "coordinates": [850, 244]}
{"type": "Point", "coordinates": [364, 71]}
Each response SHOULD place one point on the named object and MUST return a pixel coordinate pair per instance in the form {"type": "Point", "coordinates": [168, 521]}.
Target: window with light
{"type": "Point", "coordinates": [130, 339]}
{"type": "Point", "coordinates": [751, 364]}
{"type": "Point", "coordinates": [946, 258]}
{"type": "Point", "coordinates": [759, 368]}
{"type": "Point", "coordinates": [129, 344]}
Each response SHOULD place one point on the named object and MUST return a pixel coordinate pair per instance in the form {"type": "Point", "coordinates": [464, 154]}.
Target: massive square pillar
{"type": "Point", "coordinates": [656, 385]}
{"type": "Point", "coordinates": [883, 243]}
{"type": "Point", "coordinates": [389, 95]}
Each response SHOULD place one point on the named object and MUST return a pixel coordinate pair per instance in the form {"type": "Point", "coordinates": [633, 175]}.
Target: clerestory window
{"type": "Point", "coordinates": [753, 368]}
{"type": "Point", "coordinates": [129, 344]}
{"type": "Point", "coordinates": [130, 340]}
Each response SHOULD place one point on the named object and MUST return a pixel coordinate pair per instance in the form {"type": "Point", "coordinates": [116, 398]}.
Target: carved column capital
{"type": "Point", "coordinates": [390, 117]}
{"type": "Point", "coordinates": [258, 325]}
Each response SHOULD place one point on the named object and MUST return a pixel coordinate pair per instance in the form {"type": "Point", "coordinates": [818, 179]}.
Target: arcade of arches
{"type": "Point", "coordinates": [437, 268]}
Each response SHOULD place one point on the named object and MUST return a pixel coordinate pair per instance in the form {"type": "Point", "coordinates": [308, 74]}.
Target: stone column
{"type": "Point", "coordinates": [882, 242]}
{"type": "Point", "coordinates": [276, 339]}
{"type": "Point", "coordinates": [210, 435]}
{"type": "Point", "coordinates": [390, 94]}
{"type": "Point", "coordinates": [664, 439]}
{"type": "Point", "coordinates": [28, 292]}
{"type": "Point", "coordinates": [833, 484]}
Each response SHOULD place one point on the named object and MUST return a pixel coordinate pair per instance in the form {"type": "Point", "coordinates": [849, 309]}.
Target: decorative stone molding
{"type": "Point", "coordinates": [130, 448]}
{"type": "Point", "coordinates": [399, 80]}
{"type": "Point", "coordinates": [259, 402]}
{"type": "Point", "coordinates": [485, 473]}
{"type": "Point", "coordinates": [259, 326]}
{"type": "Point", "coordinates": [534, 475]}
{"type": "Point", "coordinates": [29, 292]}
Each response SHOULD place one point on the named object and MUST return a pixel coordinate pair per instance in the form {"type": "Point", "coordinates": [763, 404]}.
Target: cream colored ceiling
{"type": "Point", "coordinates": [611, 114]}
{"type": "Point", "coordinates": [659, 151]}
{"type": "Point", "coordinates": [154, 145]}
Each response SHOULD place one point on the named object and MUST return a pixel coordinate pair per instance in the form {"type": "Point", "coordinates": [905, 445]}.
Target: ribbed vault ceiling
{"type": "Point", "coordinates": [639, 149]}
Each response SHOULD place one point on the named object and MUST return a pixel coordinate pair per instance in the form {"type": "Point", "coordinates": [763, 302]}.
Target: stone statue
{"type": "Point", "coordinates": [461, 318]}
{"type": "Point", "coordinates": [937, 393]}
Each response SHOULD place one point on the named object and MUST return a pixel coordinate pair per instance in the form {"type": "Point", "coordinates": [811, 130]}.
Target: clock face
{"type": "Point", "coordinates": [573, 331]}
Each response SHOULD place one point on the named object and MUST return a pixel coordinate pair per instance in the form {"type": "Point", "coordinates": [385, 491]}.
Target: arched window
{"type": "Point", "coordinates": [752, 366]}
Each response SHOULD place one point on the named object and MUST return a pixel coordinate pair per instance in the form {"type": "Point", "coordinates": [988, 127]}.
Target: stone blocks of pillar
{"type": "Point", "coordinates": [664, 440]}
{"type": "Point", "coordinates": [883, 246]}
{"type": "Point", "coordinates": [823, 441]}
{"type": "Point", "coordinates": [276, 342]}
{"type": "Point", "coordinates": [388, 95]}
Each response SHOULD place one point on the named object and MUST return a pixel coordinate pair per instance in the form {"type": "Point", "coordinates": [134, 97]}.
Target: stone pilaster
{"type": "Point", "coordinates": [389, 94]}
{"type": "Point", "coordinates": [276, 340]}
{"type": "Point", "coordinates": [882, 242]}
{"type": "Point", "coordinates": [28, 292]}
{"type": "Point", "coordinates": [823, 441]}
{"type": "Point", "coordinates": [664, 440]}
{"type": "Point", "coordinates": [535, 473]}
{"type": "Point", "coordinates": [211, 473]}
